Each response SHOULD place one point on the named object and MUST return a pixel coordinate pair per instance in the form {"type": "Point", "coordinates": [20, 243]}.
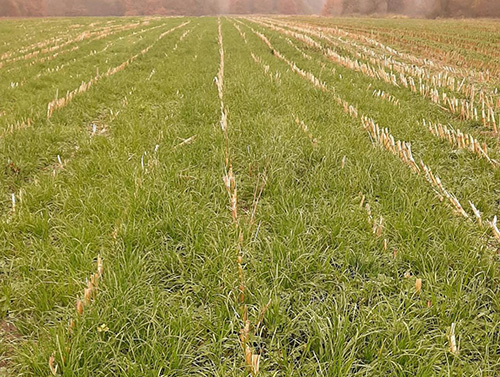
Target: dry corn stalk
{"type": "Point", "coordinates": [304, 55]}
{"type": "Point", "coordinates": [262, 314]}
{"type": "Point", "coordinates": [52, 364]}
{"type": "Point", "coordinates": [223, 118]}
{"type": "Point", "coordinates": [100, 267]}
{"type": "Point", "coordinates": [79, 307]}
{"type": "Point", "coordinates": [305, 129]}
{"type": "Point", "coordinates": [220, 73]}
{"type": "Point", "coordinates": [461, 140]}
{"type": "Point", "coordinates": [13, 198]}
{"type": "Point", "coordinates": [242, 34]}
{"type": "Point", "coordinates": [362, 201]}
{"type": "Point", "coordinates": [452, 340]}
{"type": "Point", "coordinates": [494, 228]}
{"type": "Point", "coordinates": [418, 286]}
{"type": "Point", "coordinates": [255, 364]}
{"type": "Point", "coordinates": [276, 78]}
{"type": "Point", "coordinates": [91, 289]}
{"type": "Point", "coordinates": [435, 181]}
{"type": "Point", "coordinates": [386, 96]}
{"type": "Point", "coordinates": [230, 183]}
{"type": "Point", "coordinates": [252, 359]}
{"type": "Point", "coordinates": [378, 226]}
{"type": "Point", "coordinates": [476, 213]}
{"type": "Point", "coordinates": [382, 137]}
{"type": "Point", "coordinates": [307, 75]}
{"type": "Point", "coordinates": [187, 141]}
{"type": "Point", "coordinates": [376, 223]}
{"type": "Point", "coordinates": [369, 212]}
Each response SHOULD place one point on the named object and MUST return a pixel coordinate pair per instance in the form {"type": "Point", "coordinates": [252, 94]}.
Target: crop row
{"type": "Point", "coordinates": [58, 103]}
{"type": "Point", "coordinates": [87, 35]}
{"type": "Point", "coordinates": [92, 53]}
{"type": "Point", "coordinates": [416, 78]}
{"type": "Point", "coordinates": [380, 136]}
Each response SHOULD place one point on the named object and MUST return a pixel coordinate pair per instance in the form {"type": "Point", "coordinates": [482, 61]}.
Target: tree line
{"type": "Point", "coordinates": [422, 8]}
{"type": "Point", "coordinates": [425, 8]}
{"type": "Point", "coordinates": [40, 8]}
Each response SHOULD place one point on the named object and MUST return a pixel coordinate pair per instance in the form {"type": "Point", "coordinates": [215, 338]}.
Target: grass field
{"type": "Point", "coordinates": [249, 196]}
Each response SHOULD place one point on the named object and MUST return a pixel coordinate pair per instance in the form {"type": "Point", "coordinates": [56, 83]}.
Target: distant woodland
{"type": "Point", "coordinates": [418, 8]}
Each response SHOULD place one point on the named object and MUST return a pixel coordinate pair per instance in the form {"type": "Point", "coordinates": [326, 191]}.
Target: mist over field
{"type": "Point", "coordinates": [414, 8]}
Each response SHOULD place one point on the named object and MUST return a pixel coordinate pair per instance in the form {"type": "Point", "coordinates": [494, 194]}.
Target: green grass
{"type": "Point", "coordinates": [158, 214]}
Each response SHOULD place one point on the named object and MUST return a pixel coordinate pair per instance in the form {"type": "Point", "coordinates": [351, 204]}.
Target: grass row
{"type": "Point", "coordinates": [469, 177]}
{"type": "Point", "coordinates": [156, 211]}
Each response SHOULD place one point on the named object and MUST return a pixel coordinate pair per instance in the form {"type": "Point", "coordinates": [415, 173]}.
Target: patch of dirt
{"type": "Point", "coordinates": [8, 335]}
{"type": "Point", "coordinates": [12, 169]}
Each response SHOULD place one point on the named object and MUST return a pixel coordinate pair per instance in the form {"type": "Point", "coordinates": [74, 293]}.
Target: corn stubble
{"type": "Point", "coordinates": [252, 358]}
{"type": "Point", "coordinates": [85, 301]}
{"type": "Point", "coordinates": [377, 262]}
